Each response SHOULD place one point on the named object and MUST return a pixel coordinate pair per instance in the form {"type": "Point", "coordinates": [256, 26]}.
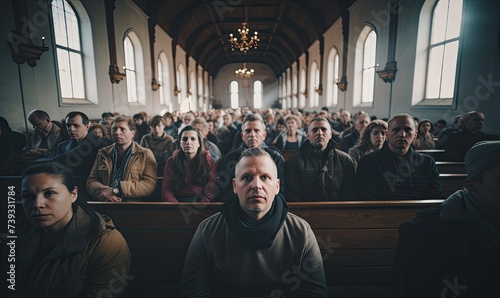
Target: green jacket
{"type": "Point", "coordinates": [79, 266]}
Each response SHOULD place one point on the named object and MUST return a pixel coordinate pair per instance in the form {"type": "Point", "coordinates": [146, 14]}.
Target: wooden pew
{"type": "Point", "coordinates": [438, 154]}
{"type": "Point", "coordinates": [451, 167]}
{"type": "Point", "coordinates": [450, 183]}
{"type": "Point", "coordinates": [357, 241]}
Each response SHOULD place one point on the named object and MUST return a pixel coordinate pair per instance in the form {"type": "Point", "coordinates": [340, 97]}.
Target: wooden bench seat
{"type": "Point", "coordinates": [357, 241]}
{"type": "Point", "coordinates": [451, 167]}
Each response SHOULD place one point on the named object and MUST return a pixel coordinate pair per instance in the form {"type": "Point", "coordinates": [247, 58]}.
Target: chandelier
{"type": "Point", "coordinates": [244, 45]}
{"type": "Point", "coordinates": [244, 72]}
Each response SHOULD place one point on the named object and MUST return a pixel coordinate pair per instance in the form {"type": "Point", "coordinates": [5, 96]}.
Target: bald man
{"type": "Point", "coordinates": [458, 143]}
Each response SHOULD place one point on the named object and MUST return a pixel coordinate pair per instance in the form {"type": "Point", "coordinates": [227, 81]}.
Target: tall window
{"type": "Point", "coordinates": [160, 82]}
{"type": "Point", "coordinates": [313, 85]}
{"type": "Point", "coordinates": [302, 97]}
{"type": "Point", "coordinates": [257, 94]}
{"type": "Point", "coordinates": [443, 49]}
{"type": "Point", "coordinates": [233, 90]}
{"type": "Point", "coordinates": [130, 69]}
{"type": "Point", "coordinates": [69, 50]}
{"type": "Point", "coordinates": [368, 83]}
{"type": "Point", "coordinates": [333, 77]}
{"type": "Point", "coordinates": [164, 81]}
{"type": "Point", "coordinates": [365, 66]}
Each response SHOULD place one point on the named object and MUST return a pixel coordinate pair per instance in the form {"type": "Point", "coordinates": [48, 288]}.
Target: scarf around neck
{"type": "Point", "coordinates": [256, 236]}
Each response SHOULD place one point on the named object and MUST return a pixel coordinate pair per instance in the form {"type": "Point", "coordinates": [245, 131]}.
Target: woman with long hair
{"type": "Point", "coordinates": [190, 172]}
{"type": "Point", "coordinates": [67, 249]}
{"type": "Point", "coordinates": [372, 139]}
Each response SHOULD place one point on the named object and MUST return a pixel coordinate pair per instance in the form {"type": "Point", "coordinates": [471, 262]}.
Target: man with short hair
{"type": "Point", "coordinates": [141, 127]}
{"type": "Point", "coordinates": [253, 133]}
{"type": "Point", "coordinates": [79, 151]}
{"type": "Point", "coordinates": [459, 142]}
{"type": "Point", "coordinates": [42, 142]}
{"type": "Point", "coordinates": [319, 171]}
{"type": "Point", "coordinates": [454, 249]}
{"type": "Point", "coordinates": [162, 145]}
{"type": "Point", "coordinates": [124, 170]}
{"type": "Point", "coordinates": [397, 172]}
{"type": "Point", "coordinates": [254, 247]}
{"type": "Point", "coordinates": [187, 119]}
{"type": "Point", "coordinates": [344, 122]}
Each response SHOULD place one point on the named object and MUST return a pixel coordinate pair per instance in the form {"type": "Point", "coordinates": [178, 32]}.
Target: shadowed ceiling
{"type": "Point", "coordinates": [286, 28]}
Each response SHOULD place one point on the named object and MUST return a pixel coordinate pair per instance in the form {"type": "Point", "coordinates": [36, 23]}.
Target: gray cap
{"type": "Point", "coordinates": [481, 157]}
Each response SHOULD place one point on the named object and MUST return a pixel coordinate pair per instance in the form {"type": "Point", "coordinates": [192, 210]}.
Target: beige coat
{"type": "Point", "coordinates": [139, 179]}
{"type": "Point", "coordinates": [79, 266]}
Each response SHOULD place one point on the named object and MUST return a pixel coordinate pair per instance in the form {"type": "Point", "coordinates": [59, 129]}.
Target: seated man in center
{"type": "Point", "coordinates": [319, 171]}
{"type": "Point", "coordinates": [397, 172]}
{"type": "Point", "coordinates": [254, 247]}
{"type": "Point", "coordinates": [124, 170]}
{"type": "Point", "coordinates": [253, 133]}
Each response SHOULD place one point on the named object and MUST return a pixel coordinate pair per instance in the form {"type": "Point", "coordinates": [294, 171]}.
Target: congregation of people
{"type": "Point", "coordinates": [255, 167]}
{"type": "Point", "coordinates": [324, 154]}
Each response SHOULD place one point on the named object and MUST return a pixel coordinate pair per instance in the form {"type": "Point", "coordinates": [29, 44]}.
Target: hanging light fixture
{"type": "Point", "coordinates": [244, 72]}
{"type": "Point", "coordinates": [245, 44]}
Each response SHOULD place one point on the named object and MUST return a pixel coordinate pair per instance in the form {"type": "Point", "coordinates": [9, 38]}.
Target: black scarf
{"type": "Point", "coordinates": [255, 236]}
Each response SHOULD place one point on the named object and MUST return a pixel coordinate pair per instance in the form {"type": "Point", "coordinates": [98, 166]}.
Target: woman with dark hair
{"type": "Point", "coordinates": [372, 139]}
{"type": "Point", "coordinates": [424, 139]}
{"type": "Point", "coordinates": [68, 250]}
{"type": "Point", "coordinates": [190, 172]}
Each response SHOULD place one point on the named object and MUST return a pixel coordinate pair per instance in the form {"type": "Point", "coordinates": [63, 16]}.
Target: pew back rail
{"type": "Point", "coordinates": [357, 241]}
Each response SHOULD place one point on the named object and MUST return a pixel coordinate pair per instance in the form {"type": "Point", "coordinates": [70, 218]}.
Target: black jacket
{"type": "Point", "coordinates": [442, 253]}
{"type": "Point", "coordinates": [387, 176]}
{"type": "Point", "coordinates": [315, 176]}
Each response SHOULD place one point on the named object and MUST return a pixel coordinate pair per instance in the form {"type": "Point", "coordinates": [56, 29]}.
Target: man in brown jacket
{"type": "Point", "coordinates": [124, 170]}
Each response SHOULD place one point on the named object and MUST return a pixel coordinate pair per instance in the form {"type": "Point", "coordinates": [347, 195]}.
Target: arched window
{"type": "Point", "coordinates": [443, 49]}
{"type": "Point", "coordinates": [365, 66]}
{"type": "Point", "coordinates": [164, 80]}
{"type": "Point", "coordinates": [233, 91]}
{"type": "Point", "coordinates": [134, 69]}
{"type": "Point", "coordinates": [257, 94]}
{"type": "Point", "coordinates": [201, 101]}
{"type": "Point", "coordinates": [333, 77]}
{"type": "Point", "coordinates": [302, 96]}
{"type": "Point", "coordinates": [313, 85]}
{"type": "Point", "coordinates": [294, 91]}
{"type": "Point", "coordinates": [69, 50]}
{"type": "Point", "coordinates": [436, 54]}
{"type": "Point", "coordinates": [184, 104]}
{"type": "Point", "coordinates": [193, 103]}
{"type": "Point", "coordinates": [131, 75]}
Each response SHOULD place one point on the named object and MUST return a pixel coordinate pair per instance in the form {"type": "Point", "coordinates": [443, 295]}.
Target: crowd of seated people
{"type": "Point", "coordinates": [383, 157]}
{"type": "Point", "coordinates": [105, 152]}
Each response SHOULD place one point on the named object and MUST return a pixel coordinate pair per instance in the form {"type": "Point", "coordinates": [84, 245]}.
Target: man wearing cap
{"type": "Point", "coordinates": [454, 249]}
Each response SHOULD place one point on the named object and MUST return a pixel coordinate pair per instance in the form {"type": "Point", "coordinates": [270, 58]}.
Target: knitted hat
{"type": "Point", "coordinates": [481, 157]}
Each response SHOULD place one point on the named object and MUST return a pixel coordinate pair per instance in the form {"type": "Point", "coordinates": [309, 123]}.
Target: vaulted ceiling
{"type": "Point", "coordinates": [286, 28]}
